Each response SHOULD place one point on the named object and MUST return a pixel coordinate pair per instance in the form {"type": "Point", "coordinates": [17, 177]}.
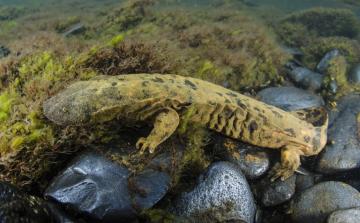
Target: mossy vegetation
{"type": "Point", "coordinates": [217, 45]}
{"type": "Point", "coordinates": [10, 12]}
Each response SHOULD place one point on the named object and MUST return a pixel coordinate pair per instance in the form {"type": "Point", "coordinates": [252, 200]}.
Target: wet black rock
{"type": "Point", "coordinates": [112, 184]}
{"type": "Point", "coordinates": [17, 206]}
{"type": "Point", "coordinates": [344, 151]}
{"type": "Point", "coordinates": [4, 52]}
{"type": "Point", "coordinates": [75, 31]}
{"type": "Point", "coordinates": [254, 161]}
{"type": "Point", "coordinates": [324, 63]}
{"type": "Point", "coordinates": [274, 193]}
{"type": "Point", "coordinates": [290, 98]}
{"type": "Point", "coordinates": [307, 78]}
{"type": "Point", "coordinates": [351, 215]}
{"type": "Point", "coordinates": [59, 214]}
{"type": "Point", "coordinates": [354, 74]}
{"type": "Point", "coordinates": [316, 203]}
{"type": "Point", "coordinates": [220, 193]}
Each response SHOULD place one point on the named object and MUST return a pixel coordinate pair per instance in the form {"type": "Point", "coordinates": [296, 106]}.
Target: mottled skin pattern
{"type": "Point", "coordinates": [165, 99]}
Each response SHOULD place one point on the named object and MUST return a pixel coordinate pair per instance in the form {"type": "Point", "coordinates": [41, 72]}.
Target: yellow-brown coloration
{"type": "Point", "coordinates": [163, 100]}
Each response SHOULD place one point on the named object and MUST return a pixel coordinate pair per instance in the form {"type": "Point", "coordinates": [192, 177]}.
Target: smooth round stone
{"type": "Point", "coordinates": [316, 203]}
{"type": "Point", "coordinates": [324, 63]}
{"type": "Point", "coordinates": [254, 161]}
{"type": "Point", "coordinates": [221, 192]}
{"type": "Point", "coordinates": [290, 98]}
{"type": "Point", "coordinates": [275, 193]}
{"type": "Point", "coordinates": [351, 215]}
{"type": "Point", "coordinates": [344, 153]}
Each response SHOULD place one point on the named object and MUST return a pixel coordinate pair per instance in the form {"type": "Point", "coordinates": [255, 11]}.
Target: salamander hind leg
{"type": "Point", "coordinates": [290, 161]}
{"type": "Point", "coordinates": [165, 123]}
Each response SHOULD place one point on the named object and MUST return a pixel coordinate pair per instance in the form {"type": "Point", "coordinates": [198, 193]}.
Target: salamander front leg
{"type": "Point", "coordinates": [165, 123]}
{"type": "Point", "coordinates": [290, 161]}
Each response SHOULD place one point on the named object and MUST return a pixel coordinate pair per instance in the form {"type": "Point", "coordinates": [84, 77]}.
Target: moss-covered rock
{"type": "Point", "coordinates": [300, 27]}
{"type": "Point", "coordinates": [318, 47]}
{"type": "Point", "coordinates": [10, 12]}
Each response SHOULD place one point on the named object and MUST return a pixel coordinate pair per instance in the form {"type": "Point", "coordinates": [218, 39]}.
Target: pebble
{"type": "Point", "coordinates": [316, 203]}
{"type": "Point", "coordinates": [344, 153]}
{"type": "Point", "coordinates": [324, 63]}
{"type": "Point", "coordinates": [220, 193]}
{"type": "Point", "coordinates": [307, 78]}
{"type": "Point", "coordinates": [351, 215]}
{"type": "Point", "coordinates": [253, 161]}
{"type": "Point", "coordinates": [107, 190]}
{"type": "Point", "coordinates": [290, 98]}
{"type": "Point", "coordinates": [274, 193]}
{"type": "Point", "coordinates": [75, 31]}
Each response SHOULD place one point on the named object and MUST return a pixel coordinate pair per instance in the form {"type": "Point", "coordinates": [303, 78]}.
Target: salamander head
{"type": "Point", "coordinates": [83, 103]}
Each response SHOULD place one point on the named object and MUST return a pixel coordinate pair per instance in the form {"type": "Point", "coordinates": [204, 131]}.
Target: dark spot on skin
{"type": "Point", "coordinates": [300, 113]}
{"type": "Point", "coordinates": [316, 143]}
{"type": "Point", "coordinates": [219, 93]}
{"type": "Point", "coordinates": [197, 112]}
{"type": "Point", "coordinates": [241, 105]}
{"type": "Point", "coordinates": [179, 87]}
{"type": "Point", "coordinates": [307, 138]}
{"type": "Point", "coordinates": [256, 109]}
{"type": "Point", "coordinates": [171, 80]}
{"type": "Point", "coordinates": [228, 112]}
{"type": "Point", "coordinates": [291, 131]}
{"type": "Point", "coordinates": [158, 80]}
{"type": "Point", "coordinates": [144, 84]}
{"type": "Point", "coordinates": [231, 94]}
{"type": "Point", "coordinates": [189, 83]}
{"type": "Point", "coordinates": [114, 83]}
{"type": "Point", "coordinates": [267, 137]}
{"type": "Point", "coordinates": [284, 149]}
{"type": "Point", "coordinates": [270, 108]}
{"type": "Point", "coordinates": [168, 99]}
{"type": "Point", "coordinates": [94, 90]}
{"type": "Point", "coordinates": [146, 94]}
{"type": "Point", "coordinates": [121, 79]}
{"type": "Point", "coordinates": [263, 111]}
{"type": "Point", "coordinates": [321, 121]}
{"type": "Point", "coordinates": [277, 114]}
{"type": "Point", "coordinates": [263, 117]}
{"type": "Point", "coordinates": [278, 141]}
{"type": "Point", "coordinates": [164, 136]}
{"type": "Point", "coordinates": [227, 101]}
{"type": "Point", "coordinates": [252, 126]}
{"type": "Point", "coordinates": [112, 93]}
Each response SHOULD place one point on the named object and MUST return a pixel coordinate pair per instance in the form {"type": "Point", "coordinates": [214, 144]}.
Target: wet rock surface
{"type": "Point", "coordinates": [16, 206]}
{"type": "Point", "coordinates": [344, 151]}
{"type": "Point", "coordinates": [324, 63]}
{"type": "Point", "coordinates": [290, 98]}
{"type": "Point", "coordinates": [351, 215]}
{"type": "Point", "coordinates": [75, 31]}
{"type": "Point", "coordinates": [307, 78]}
{"type": "Point", "coordinates": [316, 203]}
{"type": "Point", "coordinates": [102, 183]}
{"type": "Point", "coordinates": [254, 161]}
{"type": "Point", "coordinates": [274, 193]}
{"type": "Point", "coordinates": [220, 193]}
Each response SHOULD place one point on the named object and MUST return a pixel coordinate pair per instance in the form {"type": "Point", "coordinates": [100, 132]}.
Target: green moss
{"type": "Point", "coordinates": [318, 47]}
{"type": "Point", "coordinates": [63, 26]}
{"type": "Point", "coordinates": [11, 12]}
{"type": "Point", "coordinates": [158, 215]}
{"type": "Point", "coordinates": [129, 14]}
{"type": "Point", "coordinates": [16, 142]}
{"type": "Point", "coordinates": [336, 72]}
